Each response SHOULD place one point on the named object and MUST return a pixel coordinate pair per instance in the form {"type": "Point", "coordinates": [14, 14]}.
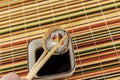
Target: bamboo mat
{"type": "Point", "coordinates": [94, 26]}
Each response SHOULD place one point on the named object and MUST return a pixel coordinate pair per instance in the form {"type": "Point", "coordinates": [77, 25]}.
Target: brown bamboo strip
{"type": "Point", "coordinates": [98, 32]}
{"type": "Point", "coordinates": [76, 29]}
{"type": "Point", "coordinates": [13, 52]}
{"type": "Point", "coordinates": [47, 25]}
{"type": "Point", "coordinates": [41, 16]}
{"type": "Point", "coordinates": [20, 72]}
{"type": "Point", "coordinates": [39, 10]}
{"type": "Point", "coordinates": [17, 69]}
{"type": "Point", "coordinates": [97, 54]}
{"type": "Point", "coordinates": [10, 65]}
{"type": "Point", "coordinates": [93, 67]}
{"type": "Point", "coordinates": [95, 28]}
{"type": "Point", "coordinates": [41, 22]}
{"type": "Point", "coordinates": [20, 41]}
{"type": "Point", "coordinates": [98, 61]}
{"type": "Point", "coordinates": [28, 7]}
{"type": "Point", "coordinates": [108, 71]}
{"type": "Point", "coordinates": [91, 43]}
{"type": "Point", "coordinates": [97, 46]}
{"type": "Point", "coordinates": [14, 47]}
{"type": "Point", "coordinates": [17, 36]}
{"type": "Point", "coordinates": [115, 78]}
{"type": "Point", "coordinates": [5, 3]}
{"type": "Point", "coordinates": [18, 4]}
{"type": "Point", "coordinates": [97, 37]}
{"type": "Point", "coordinates": [16, 59]}
{"type": "Point", "coordinates": [88, 53]}
{"type": "Point", "coordinates": [18, 21]}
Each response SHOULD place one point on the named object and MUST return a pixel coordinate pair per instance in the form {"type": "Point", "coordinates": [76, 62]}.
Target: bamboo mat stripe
{"type": "Point", "coordinates": [94, 26]}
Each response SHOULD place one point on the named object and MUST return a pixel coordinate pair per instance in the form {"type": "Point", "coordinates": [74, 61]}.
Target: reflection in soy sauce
{"type": "Point", "coordinates": [56, 64]}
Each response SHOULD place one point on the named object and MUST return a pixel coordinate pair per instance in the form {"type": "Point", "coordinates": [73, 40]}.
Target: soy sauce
{"type": "Point", "coordinates": [55, 64]}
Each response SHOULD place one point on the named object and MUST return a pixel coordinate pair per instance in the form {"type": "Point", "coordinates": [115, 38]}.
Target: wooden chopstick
{"type": "Point", "coordinates": [39, 65]}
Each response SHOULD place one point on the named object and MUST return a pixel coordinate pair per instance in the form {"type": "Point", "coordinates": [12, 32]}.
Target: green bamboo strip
{"type": "Point", "coordinates": [13, 52]}
{"type": "Point", "coordinates": [94, 62]}
{"type": "Point", "coordinates": [77, 34]}
{"type": "Point", "coordinates": [94, 29]}
{"type": "Point", "coordinates": [21, 32]}
{"type": "Point", "coordinates": [23, 35]}
{"type": "Point", "coordinates": [10, 65]}
{"type": "Point", "coordinates": [5, 3]}
{"type": "Point", "coordinates": [19, 46]}
{"type": "Point", "coordinates": [92, 40]}
{"type": "Point", "coordinates": [7, 35]}
{"type": "Point", "coordinates": [34, 5]}
{"type": "Point", "coordinates": [101, 33]}
{"type": "Point", "coordinates": [14, 48]}
{"type": "Point", "coordinates": [97, 65]}
{"type": "Point", "coordinates": [97, 55]}
{"type": "Point", "coordinates": [27, 7]}
{"type": "Point", "coordinates": [88, 52]}
{"type": "Point", "coordinates": [109, 71]}
{"type": "Point", "coordinates": [41, 31]}
{"type": "Point", "coordinates": [24, 71]}
{"type": "Point", "coordinates": [102, 36]}
{"type": "Point", "coordinates": [6, 58]}
{"type": "Point", "coordinates": [38, 10]}
{"type": "Point", "coordinates": [104, 30]}
{"type": "Point", "coordinates": [106, 68]}
{"type": "Point", "coordinates": [22, 39]}
{"type": "Point", "coordinates": [93, 67]}
{"type": "Point", "coordinates": [35, 16]}
{"type": "Point", "coordinates": [88, 37]}
{"type": "Point", "coordinates": [114, 78]}
{"type": "Point", "coordinates": [99, 47]}
{"type": "Point", "coordinates": [19, 4]}
{"type": "Point", "coordinates": [51, 19]}
{"type": "Point", "coordinates": [17, 66]}
{"type": "Point", "coordinates": [30, 9]}
{"type": "Point", "coordinates": [18, 71]}
{"type": "Point", "coordinates": [57, 18]}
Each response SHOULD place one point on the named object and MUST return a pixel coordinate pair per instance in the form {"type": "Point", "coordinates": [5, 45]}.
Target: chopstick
{"type": "Point", "coordinates": [38, 65]}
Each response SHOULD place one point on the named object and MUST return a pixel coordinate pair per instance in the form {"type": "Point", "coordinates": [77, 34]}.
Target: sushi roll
{"type": "Point", "coordinates": [52, 37]}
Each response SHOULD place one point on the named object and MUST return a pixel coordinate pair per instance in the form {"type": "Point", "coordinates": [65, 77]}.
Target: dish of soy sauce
{"type": "Point", "coordinates": [56, 64]}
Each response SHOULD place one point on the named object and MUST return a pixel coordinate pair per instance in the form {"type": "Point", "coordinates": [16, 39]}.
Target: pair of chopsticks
{"type": "Point", "coordinates": [42, 60]}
